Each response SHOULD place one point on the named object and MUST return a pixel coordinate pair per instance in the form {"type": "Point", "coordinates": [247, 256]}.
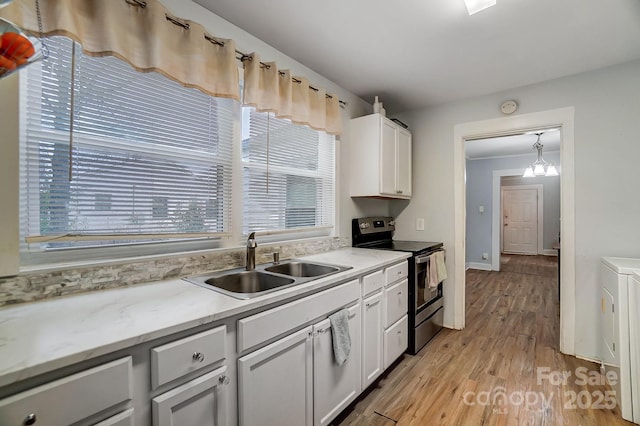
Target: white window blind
{"type": "Point", "coordinates": [288, 174]}
{"type": "Point", "coordinates": [111, 155]}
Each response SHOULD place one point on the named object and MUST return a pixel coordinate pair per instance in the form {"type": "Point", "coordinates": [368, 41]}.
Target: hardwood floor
{"type": "Point", "coordinates": [504, 368]}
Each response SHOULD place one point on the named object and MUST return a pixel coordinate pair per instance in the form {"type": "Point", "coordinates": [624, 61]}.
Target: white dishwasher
{"type": "Point", "coordinates": [618, 308]}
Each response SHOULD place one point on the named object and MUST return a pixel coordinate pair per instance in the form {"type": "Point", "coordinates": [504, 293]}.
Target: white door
{"type": "Point", "coordinates": [196, 403]}
{"type": "Point", "coordinates": [275, 383]}
{"type": "Point", "coordinates": [334, 387]}
{"type": "Point", "coordinates": [372, 331]}
{"type": "Point", "coordinates": [387, 159]}
{"type": "Point", "coordinates": [520, 221]}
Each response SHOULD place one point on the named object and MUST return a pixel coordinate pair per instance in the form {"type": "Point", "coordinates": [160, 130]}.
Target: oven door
{"type": "Point", "coordinates": [424, 295]}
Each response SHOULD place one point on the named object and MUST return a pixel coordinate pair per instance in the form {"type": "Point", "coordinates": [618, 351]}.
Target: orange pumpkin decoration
{"type": "Point", "coordinates": [16, 47]}
{"type": "Point", "coordinates": [6, 65]}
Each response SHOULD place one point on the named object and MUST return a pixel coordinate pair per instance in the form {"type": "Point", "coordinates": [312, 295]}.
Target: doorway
{"type": "Point", "coordinates": [563, 119]}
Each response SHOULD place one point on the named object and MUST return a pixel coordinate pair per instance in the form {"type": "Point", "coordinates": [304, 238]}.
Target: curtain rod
{"type": "Point", "coordinates": [241, 56]}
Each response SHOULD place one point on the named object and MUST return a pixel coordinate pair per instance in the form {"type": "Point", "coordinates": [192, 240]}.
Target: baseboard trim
{"type": "Point", "coordinates": [550, 252]}
{"type": "Point", "coordinates": [480, 266]}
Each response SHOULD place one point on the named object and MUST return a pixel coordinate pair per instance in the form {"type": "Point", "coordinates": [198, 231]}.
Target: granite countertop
{"type": "Point", "coordinates": [39, 337]}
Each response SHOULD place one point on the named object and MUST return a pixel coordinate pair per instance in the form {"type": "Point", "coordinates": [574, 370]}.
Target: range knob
{"type": "Point", "coordinates": [364, 225]}
{"type": "Point", "coordinates": [392, 223]}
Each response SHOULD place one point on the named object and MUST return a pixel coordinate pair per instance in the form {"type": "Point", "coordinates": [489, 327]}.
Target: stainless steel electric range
{"type": "Point", "coordinates": [425, 304]}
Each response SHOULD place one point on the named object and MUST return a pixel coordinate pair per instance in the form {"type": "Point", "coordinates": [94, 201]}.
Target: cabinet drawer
{"type": "Point", "coordinates": [175, 359]}
{"type": "Point", "coordinates": [397, 300]}
{"type": "Point", "coordinates": [396, 272]}
{"type": "Point", "coordinates": [372, 282]}
{"type": "Point", "coordinates": [73, 398]}
{"type": "Point", "coordinates": [266, 325]}
{"type": "Point", "coordinates": [395, 341]}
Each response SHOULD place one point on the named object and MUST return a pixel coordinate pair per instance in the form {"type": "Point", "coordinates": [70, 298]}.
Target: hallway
{"type": "Point", "coordinates": [504, 368]}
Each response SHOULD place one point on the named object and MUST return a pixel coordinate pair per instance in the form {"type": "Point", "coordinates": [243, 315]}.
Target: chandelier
{"type": "Point", "coordinates": [540, 167]}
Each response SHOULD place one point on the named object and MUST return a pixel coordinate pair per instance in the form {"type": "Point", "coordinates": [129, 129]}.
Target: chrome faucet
{"type": "Point", "coordinates": [251, 251]}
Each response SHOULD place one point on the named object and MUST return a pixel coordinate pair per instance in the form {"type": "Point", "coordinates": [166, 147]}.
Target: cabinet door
{"type": "Point", "coordinates": [123, 419]}
{"type": "Point", "coordinates": [403, 166]}
{"type": "Point", "coordinates": [372, 329]}
{"type": "Point", "coordinates": [395, 341]}
{"type": "Point", "coordinates": [196, 403]}
{"type": "Point", "coordinates": [334, 387]}
{"type": "Point", "coordinates": [275, 383]}
{"type": "Point", "coordinates": [388, 159]}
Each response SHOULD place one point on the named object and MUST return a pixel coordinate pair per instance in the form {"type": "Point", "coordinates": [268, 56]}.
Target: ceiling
{"type": "Point", "coordinates": [512, 145]}
{"type": "Point", "coordinates": [417, 53]}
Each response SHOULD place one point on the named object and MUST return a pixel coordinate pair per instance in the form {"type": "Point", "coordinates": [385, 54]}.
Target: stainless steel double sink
{"type": "Point", "coordinates": [243, 284]}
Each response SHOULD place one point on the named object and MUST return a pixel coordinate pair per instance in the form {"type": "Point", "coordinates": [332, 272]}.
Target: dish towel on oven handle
{"type": "Point", "coordinates": [340, 335]}
{"type": "Point", "coordinates": [432, 272]}
{"type": "Point", "coordinates": [440, 266]}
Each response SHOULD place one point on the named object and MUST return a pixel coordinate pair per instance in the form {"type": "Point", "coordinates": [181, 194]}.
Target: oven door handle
{"type": "Point", "coordinates": [425, 257]}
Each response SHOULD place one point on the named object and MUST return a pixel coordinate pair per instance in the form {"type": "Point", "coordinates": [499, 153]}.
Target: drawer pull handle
{"type": "Point", "coordinates": [30, 419]}
{"type": "Point", "coordinates": [198, 356]}
{"type": "Point", "coordinates": [224, 379]}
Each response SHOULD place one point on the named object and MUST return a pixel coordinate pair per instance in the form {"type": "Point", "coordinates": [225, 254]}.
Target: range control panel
{"type": "Point", "coordinates": [374, 225]}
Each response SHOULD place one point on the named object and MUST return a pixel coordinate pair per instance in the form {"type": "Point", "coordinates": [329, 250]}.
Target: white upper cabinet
{"type": "Point", "coordinates": [380, 160]}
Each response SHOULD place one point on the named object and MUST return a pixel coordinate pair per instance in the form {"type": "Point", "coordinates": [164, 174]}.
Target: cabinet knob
{"type": "Point", "coordinates": [399, 191]}
{"type": "Point", "coordinates": [198, 356]}
{"type": "Point", "coordinates": [224, 379]}
{"type": "Point", "coordinates": [30, 419]}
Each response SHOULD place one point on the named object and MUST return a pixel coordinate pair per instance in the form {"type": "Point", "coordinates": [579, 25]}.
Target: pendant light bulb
{"type": "Point", "coordinates": [552, 171]}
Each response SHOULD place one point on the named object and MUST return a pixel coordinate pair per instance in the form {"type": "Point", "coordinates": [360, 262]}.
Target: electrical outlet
{"type": "Point", "coordinates": [485, 256]}
{"type": "Point", "coordinates": [419, 224]}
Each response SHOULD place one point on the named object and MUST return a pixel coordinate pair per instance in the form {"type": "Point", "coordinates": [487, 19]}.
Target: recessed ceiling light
{"type": "Point", "coordinates": [475, 6]}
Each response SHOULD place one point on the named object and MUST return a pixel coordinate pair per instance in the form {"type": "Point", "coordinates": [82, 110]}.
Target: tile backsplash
{"type": "Point", "coordinates": [33, 286]}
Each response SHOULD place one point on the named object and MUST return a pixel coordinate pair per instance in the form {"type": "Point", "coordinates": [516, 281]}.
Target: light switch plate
{"type": "Point", "coordinates": [419, 224]}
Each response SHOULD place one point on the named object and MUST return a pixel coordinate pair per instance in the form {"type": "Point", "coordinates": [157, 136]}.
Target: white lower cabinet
{"type": "Point", "coordinates": [296, 381]}
{"type": "Point", "coordinates": [335, 387]}
{"type": "Point", "coordinates": [196, 403]}
{"type": "Point", "coordinates": [275, 383]}
{"type": "Point", "coordinates": [372, 334]}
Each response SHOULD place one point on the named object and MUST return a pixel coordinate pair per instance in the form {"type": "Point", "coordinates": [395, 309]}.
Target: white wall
{"type": "Point", "coordinates": [607, 129]}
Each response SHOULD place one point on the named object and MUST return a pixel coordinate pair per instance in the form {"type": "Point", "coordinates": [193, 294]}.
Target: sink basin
{"type": "Point", "coordinates": [266, 278]}
{"type": "Point", "coordinates": [242, 284]}
{"type": "Point", "coordinates": [302, 269]}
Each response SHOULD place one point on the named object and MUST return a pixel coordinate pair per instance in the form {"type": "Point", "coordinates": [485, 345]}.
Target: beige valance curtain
{"type": "Point", "coordinates": [273, 90]}
{"type": "Point", "coordinates": [142, 33]}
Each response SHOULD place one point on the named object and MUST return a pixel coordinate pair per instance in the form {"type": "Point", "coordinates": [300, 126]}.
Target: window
{"type": "Point", "coordinates": [113, 157]}
{"type": "Point", "coordinates": [116, 155]}
{"type": "Point", "coordinates": [288, 174]}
